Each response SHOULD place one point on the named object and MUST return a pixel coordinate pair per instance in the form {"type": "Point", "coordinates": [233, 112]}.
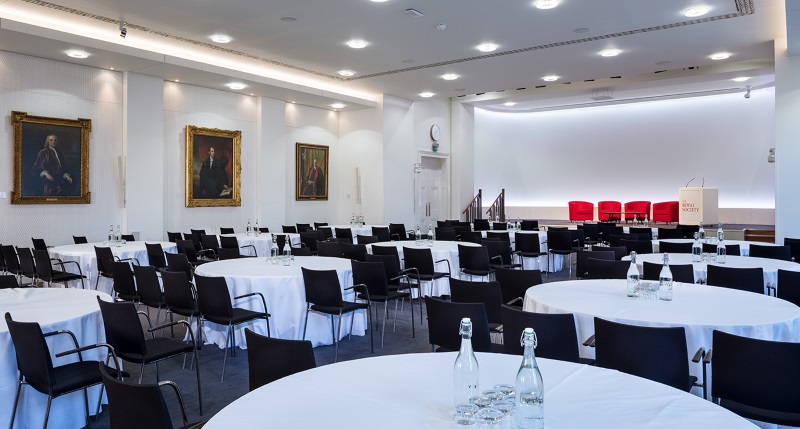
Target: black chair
{"type": "Point", "coordinates": [155, 255]}
{"type": "Point", "coordinates": [148, 289]}
{"type": "Point", "coordinates": [444, 320]}
{"type": "Point", "coordinates": [514, 284]}
{"type": "Point", "coordinates": [373, 277]}
{"type": "Point", "coordinates": [487, 293]}
{"type": "Point", "coordinates": [424, 268]}
{"type": "Point", "coordinates": [289, 229]}
{"type": "Point", "coordinates": [783, 253]}
{"type": "Point", "coordinates": [480, 225]}
{"type": "Point", "coordinates": [324, 295]}
{"type": "Point", "coordinates": [8, 281]}
{"type": "Point", "coordinates": [619, 251]}
{"type": "Point", "coordinates": [214, 303]}
{"type": "Point", "coordinates": [309, 239]}
{"type": "Point", "coordinates": [446, 234]}
{"type": "Point", "coordinates": [180, 297]}
{"type": "Point", "coordinates": [318, 225]}
{"type": "Point", "coordinates": [26, 265]}
{"type": "Point", "coordinates": [529, 225]}
{"type": "Point", "coordinates": [366, 239]}
{"type": "Point", "coordinates": [556, 334]}
{"type": "Point", "coordinates": [444, 224]}
{"type": "Point", "coordinates": [498, 226]}
{"type": "Point", "coordinates": [128, 237]}
{"type": "Point", "coordinates": [645, 232]}
{"type": "Point", "coordinates": [303, 227]}
{"type": "Point", "coordinates": [36, 368]}
{"type": "Point", "coordinates": [615, 239]}
{"type": "Point", "coordinates": [397, 231]}
{"type": "Point", "coordinates": [382, 233]}
{"type": "Point", "coordinates": [233, 243]}
{"type": "Point", "coordinates": [263, 230]}
{"type": "Point", "coordinates": [105, 260]}
{"type": "Point", "coordinates": [45, 271]}
{"type": "Point", "coordinates": [133, 406]}
{"type": "Point", "coordinates": [281, 240]}
{"type": "Point", "coordinates": [683, 273]}
{"type": "Point", "coordinates": [124, 285]}
{"type": "Point", "coordinates": [641, 247]}
{"type": "Point", "coordinates": [474, 261]}
{"type": "Point", "coordinates": [768, 392]}
{"type": "Point", "coordinates": [658, 354]}
{"type": "Point", "coordinates": [670, 233]}
{"type": "Point", "coordinates": [301, 251]}
{"type": "Point", "coordinates": [194, 256]}
{"type": "Point", "coordinates": [341, 233]}
{"type": "Point", "coordinates": [210, 246]}
{"type": "Point", "coordinates": [11, 261]}
{"type": "Point", "coordinates": [527, 245]}
{"type": "Point", "coordinates": [582, 260]}
{"type": "Point", "coordinates": [500, 254]}
{"type": "Point", "coordinates": [667, 247]}
{"type": "Point", "coordinates": [124, 333]}
{"type": "Point", "coordinates": [223, 230]}
{"type": "Point", "coordinates": [794, 247]}
{"type": "Point", "coordinates": [178, 262]}
{"type": "Point", "coordinates": [331, 249]}
{"type": "Point", "coordinates": [471, 236]}
{"type": "Point", "coordinates": [578, 239]}
{"type": "Point", "coordinates": [79, 239]}
{"type": "Point", "coordinates": [747, 279]}
{"type": "Point", "coordinates": [790, 286]}
{"type": "Point", "coordinates": [174, 236]}
{"type": "Point", "coordinates": [603, 269]}
{"type": "Point", "coordinates": [196, 236]}
{"type": "Point", "coordinates": [606, 230]}
{"type": "Point", "coordinates": [355, 252]}
{"type": "Point", "coordinates": [559, 242]}
{"type": "Point", "coordinates": [730, 249]}
{"type": "Point", "coordinates": [387, 250]}
{"type": "Point", "coordinates": [591, 233]}
{"type": "Point", "coordinates": [499, 235]}
{"type": "Point", "coordinates": [271, 359]}
{"type": "Point", "coordinates": [39, 244]}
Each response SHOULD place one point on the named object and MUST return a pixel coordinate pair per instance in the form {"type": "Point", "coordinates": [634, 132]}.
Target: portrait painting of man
{"type": "Point", "coordinates": [213, 165]}
{"type": "Point", "coordinates": [311, 172]}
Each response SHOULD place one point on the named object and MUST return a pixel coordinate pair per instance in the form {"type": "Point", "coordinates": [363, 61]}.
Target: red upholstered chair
{"type": "Point", "coordinates": [603, 207]}
{"type": "Point", "coordinates": [637, 206]}
{"type": "Point", "coordinates": [581, 210]}
{"type": "Point", "coordinates": [666, 211]}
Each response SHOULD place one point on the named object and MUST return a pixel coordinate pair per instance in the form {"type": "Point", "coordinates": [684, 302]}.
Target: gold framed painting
{"type": "Point", "coordinates": [311, 172]}
{"type": "Point", "coordinates": [51, 160]}
{"type": "Point", "coordinates": [213, 167]}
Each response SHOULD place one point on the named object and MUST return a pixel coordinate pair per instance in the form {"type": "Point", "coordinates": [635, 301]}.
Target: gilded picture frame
{"type": "Point", "coordinates": [51, 160]}
{"type": "Point", "coordinates": [311, 172]}
{"type": "Point", "coordinates": [213, 167]}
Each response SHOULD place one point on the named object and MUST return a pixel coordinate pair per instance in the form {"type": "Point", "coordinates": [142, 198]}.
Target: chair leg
{"type": "Point", "coordinates": [47, 411]}
{"type": "Point", "coordinates": [141, 373]}
{"type": "Point", "coordinates": [305, 325]}
{"type": "Point", "coordinates": [225, 351]}
{"type": "Point", "coordinates": [86, 404]}
{"type": "Point", "coordinates": [371, 339]}
{"type": "Point", "coordinates": [413, 334]}
{"type": "Point", "coordinates": [99, 403]}
{"type": "Point", "coordinates": [338, 332]}
{"type": "Point", "coordinates": [385, 317]}
{"type": "Point", "coordinates": [16, 402]}
{"type": "Point", "coordinates": [197, 372]}
{"type": "Point", "coordinates": [394, 327]}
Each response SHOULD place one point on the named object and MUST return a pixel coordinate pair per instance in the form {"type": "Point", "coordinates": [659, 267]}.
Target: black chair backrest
{"type": "Point", "coordinates": [147, 285]}
{"type": "Point", "coordinates": [445, 234]}
{"type": "Point", "coordinates": [366, 239]}
{"type": "Point", "coordinates": [615, 239]}
{"type": "Point", "coordinates": [658, 354]}
{"type": "Point", "coordinates": [356, 252]}
{"type": "Point", "coordinates": [301, 251]}
{"type": "Point", "coordinates": [289, 229]}
{"type": "Point", "coordinates": [527, 242]}
{"type": "Point", "coordinates": [794, 247]}
{"type": "Point", "coordinates": [421, 259]}
{"type": "Point", "coordinates": [224, 254]}
{"type": "Point", "coordinates": [641, 247]}
{"type": "Point", "coordinates": [789, 289]}
{"type": "Point", "coordinates": [223, 230]}
{"type": "Point", "coordinates": [497, 248]}
{"type": "Point", "coordinates": [578, 237]}
{"type": "Point", "coordinates": [179, 293]}
{"type": "Point", "coordinates": [270, 359]}
{"type": "Point", "coordinates": [687, 230]}
{"type": "Point", "coordinates": [329, 248]}
{"type": "Point", "coordinates": [730, 249]}
{"type": "Point", "coordinates": [582, 260]}
{"type": "Point", "coordinates": [124, 283]}
{"type": "Point", "coordinates": [196, 236]}
{"type": "Point", "coordinates": [134, 405]}
{"type": "Point", "coordinates": [128, 237]}
{"type": "Point", "coordinates": [556, 334]}
{"type": "Point", "coordinates": [469, 258]}
{"type": "Point", "coordinates": [263, 230]}
{"type": "Point", "coordinates": [603, 269]}
{"type": "Point", "coordinates": [210, 242]}
{"type": "Point", "coordinates": [43, 266]}
{"type": "Point", "coordinates": [317, 225]}
{"type": "Point", "coordinates": [607, 230]}
{"type": "Point", "coordinates": [33, 356]}
{"type": "Point", "coordinates": [280, 240]}
{"type": "Point", "coordinates": [174, 236]}
{"type": "Point", "coordinates": [591, 231]}
{"type": "Point", "coordinates": [213, 296]}
{"type": "Point", "coordinates": [772, 387]}
{"type": "Point", "coordinates": [480, 225]}
{"type": "Point", "coordinates": [382, 233]}
{"type": "Point", "coordinates": [783, 253]}
{"type": "Point", "coordinates": [683, 273]}
{"type": "Point", "coordinates": [322, 287]}
{"type": "Point", "coordinates": [309, 239]}
{"type": "Point", "coordinates": [178, 262]}
{"type": "Point", "coordinates": [388, 251]}
{"type": "Point", "coordinates": [228, 242]}
{"type": "Point", "coordinates": [8, 281]}
{"type": "Point", "coordinates": [619, 251]}
{"type": "Point", "coordinates": [303, 227]}
{"type": "Point", "coordinates": [38, 244]}
{"type": "Point", "coordinates": [372, 275]}
{"type": "Point", "coordinates": [10, 258]}
{"type": "Point", "coordinates": [668, 233]}
{"type": "Point", "coordinates": [747, 279]}
{"type": "Point", "coordinates": [188, 248]}
{"type": "Point", "coordinates": [390, 266]}
{"type": "Point", "coordinates": [529, 225]}
{"type": "Point", "coordinates": [123, 328]}
{"type": "Point", "coordinates": [79, 239]}
{"type": "Point", "coordinates": [499, 235]}
{"type": "Point", "coordinates": [667, 247]}
{"type": "Point", "coordinates": [514, 283]}
{"type": "Point", "coordinates": [343, 233]}
{"type": "Point", "coordinates": [444, 322]}
{"type": "Point", "coordinates": [471, 236]}
{"type": "Point", "coordinates": [487, 293]}
{"type": "Point", "coordinates": [559, 240]}
{"type": "Point", "coordinates": [397, 231]}
{"type": "Point", "coordinates": [499, 226]}
{"type": "Point", "coordinates": [444, 224]}
{"type": "Point", "coordinates": [105, 259]}
{"type": "Point", "coordinates": [155, 254]}
{"type": "Point", "coordinates": [644, 232]}
{"type": "Point", "coordinates": [26, 264]}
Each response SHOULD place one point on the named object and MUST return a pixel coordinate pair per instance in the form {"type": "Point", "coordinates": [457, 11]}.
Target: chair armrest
{"type": "Point", "coordinates": [449, 269]}
{"type": "Point", "coordinates": [589, 341]}
{"type": "Point", "coordinates": [178, 322]}
{"type": "Point", "coordinates": [500, 257]}
{"type": "Point", "coordinates": [708, 357]}
{"type": "Point", "coordinates": [179, 397]}
{"type": "Point", "coordinates": [409, 270]}
{"type": "Point", "coordinates": [772, 289]}
{"type": "Point", "coordinates": [263, 301]}
{"type": "Point", "coordinates": [147, 317]}
{"type": "Point", "coordinates": [514, 301]}
{"type": "Point", "coordinates": [698, 356]}
{"type": "Point", "coordinates": [94, 346]}
{"type": "Point", "coordinates": [70, 333]}
{"type": "Point", "coordinates": [360, 288]}
{"type": "Point", "coordinates": [250, 245]}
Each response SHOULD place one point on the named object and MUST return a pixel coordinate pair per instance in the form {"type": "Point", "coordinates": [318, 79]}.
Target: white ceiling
{"type": "Point", "coordinates": [297, 61]}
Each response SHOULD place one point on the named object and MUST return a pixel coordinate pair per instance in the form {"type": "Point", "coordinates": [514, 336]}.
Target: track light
{"type": "Point", "coordinates": [747, 94]}
{"type": "Point", "coordinates": [123, 31]}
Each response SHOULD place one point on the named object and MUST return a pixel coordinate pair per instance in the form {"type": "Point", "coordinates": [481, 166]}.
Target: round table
{"type": "Point", "coordinates": [770, 266]}
{"type": "Point", "coordinates": [283, 290]}
{"type": "Point", "coordinates": [54, 309]}
{"type": "Point", "coordinates": [86, 257]}
{"type": "Point", "coordinates": [700, 309]}
{"type": "Point", "coordinates": [744, 246]}
{"type": "Point", "coordinates": [416, 391]}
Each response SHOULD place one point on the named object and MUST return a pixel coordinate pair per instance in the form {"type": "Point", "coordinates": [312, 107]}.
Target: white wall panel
{"type": "Point", "coordinates": [361, 147]}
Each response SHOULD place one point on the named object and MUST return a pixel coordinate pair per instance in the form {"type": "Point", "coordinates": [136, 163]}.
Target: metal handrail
{"type": "Point", "coordinates": [498, 207]}
{"type": "Point", "coordinates": [473, 210]}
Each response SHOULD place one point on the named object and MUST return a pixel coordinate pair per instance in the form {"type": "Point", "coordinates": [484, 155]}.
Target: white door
{"type": "Point", "coordinates": [433, 191]}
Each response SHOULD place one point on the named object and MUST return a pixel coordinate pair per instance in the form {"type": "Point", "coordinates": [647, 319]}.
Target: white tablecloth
{"type": "Point", "coordinates": [283, 290]}
{"type": "Point", "coordinates": [770, 266]}
{"type": "Point", "coordinates": [439, 250]}
{"type": "Point", "coordinates": [262, 242]}
{"type": "Point", "coordinates": [85, 256]}
{"type": "Point", "coordinates": [699, 309]}
{"type": "Point", "coordinates": [416, 391]}
{"type": "Point", "coordinates": [54, 309]}
{"type": "Point", "coordinates": [356, 230]}
{"type": "Point", "coordinates": [744, 246]}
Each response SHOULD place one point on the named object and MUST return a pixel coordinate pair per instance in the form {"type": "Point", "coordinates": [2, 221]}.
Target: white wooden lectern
{"type": "Point", "coordinates": [698, 205]}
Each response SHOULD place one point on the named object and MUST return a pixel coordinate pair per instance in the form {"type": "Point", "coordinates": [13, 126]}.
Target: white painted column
{"type": "Point", "coordinates": [787, 143]}
{"type": "Point", "coordinates": [462, 156]}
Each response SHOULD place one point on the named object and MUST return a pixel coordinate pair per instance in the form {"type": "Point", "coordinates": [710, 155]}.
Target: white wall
{"type": "Point", "coordinates": [398, 161]}
{"type": "Point", "coordinates": [641, 151]}
{"type": "Point", "coordinates": [61, 90]}
{"type": "Point", "coordinates": [273, 161]}
{"type": "Point", "coordinates": [361, 146]}
{"type": "Point", "coordinates": [787, 150]}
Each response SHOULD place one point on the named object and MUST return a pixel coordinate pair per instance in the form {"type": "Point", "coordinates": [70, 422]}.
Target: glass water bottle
{"type": "Point", "coordinates": [697, 249]}
{"type": "Point", "coordinates": [529, 387]}
{"type": "Point", "coordinates": [465, 369]}
{"type": "Point", "coordinates": [722, 252]}
{"type": "Point", "coordinates": [633, 277]}
{"type": "Point", "coordinates": [665, 281]}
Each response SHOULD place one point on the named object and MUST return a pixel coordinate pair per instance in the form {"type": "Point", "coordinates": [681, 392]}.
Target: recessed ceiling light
{"type": "Point", "coordinates": [289, 19]}
{"type": "Point", "coordinates": [377, 1]}
{"type": "Point", "coordinates": [426, 94]}
{"type": "Point", "coordinates": [236, 85]}
{"type": "Point", "coordinates": [337, 105]}
{"type": "Point", "coordinates": [357, 44]}
{"type": "Point", "coordinates": [740, 79]}
{"type": "Point", "coordinates": [509, 104]}
{"type": "Point", "coordinates": [696, 11]}
{"type": "Point", "coordinates": [450, 76]}
{"type": "Point", "coordinates": [252, 93]}
{"type": "Point", "coordinates": [551, 78]}
{"type": "Point", "coordinates": [220, 38]}
{"type": "Point", "coordinates": [720, 56]}
{"type": "Point", "coordinates": [346, 73]}
{"type": "Point", "coordinates": [74, 53]}
{"type": "Point", "coordinates": [613, 52]}
{"type": "Point", "coordinates": [487, 47]}
{"type": "Point", "coordinates": [176, 81]}
{"type": "Point", "coordinates": [545, 4]}
{"type": "Point", "coordinates": [111, 68]}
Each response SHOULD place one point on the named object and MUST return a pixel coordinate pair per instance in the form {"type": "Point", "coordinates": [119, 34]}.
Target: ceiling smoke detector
{"type": "Point", "coordinates": [602, 94]}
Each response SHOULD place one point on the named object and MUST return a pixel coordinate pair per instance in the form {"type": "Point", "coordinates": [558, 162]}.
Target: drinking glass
{"type": "Point", "coordinates": [490, 418]}
{"type": "Point", "coordinates": [465, 414]}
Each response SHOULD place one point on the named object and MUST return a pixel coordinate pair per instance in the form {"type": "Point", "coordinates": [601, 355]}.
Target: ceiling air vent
{"type": "Point", "coordinates": [602, 94]}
